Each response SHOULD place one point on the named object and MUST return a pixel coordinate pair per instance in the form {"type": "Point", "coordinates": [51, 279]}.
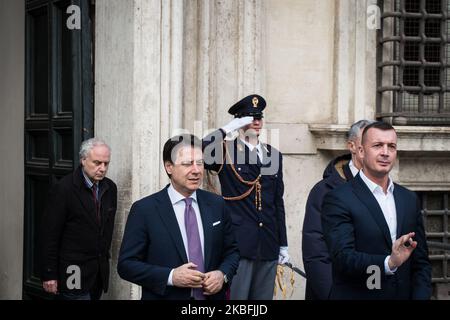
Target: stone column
{"type": "Point", "coordinates": [221, 61]}
{"type": "Point", "coordinates": [355, 60]}
{"type": "Point", "coordinates": [131, 99]}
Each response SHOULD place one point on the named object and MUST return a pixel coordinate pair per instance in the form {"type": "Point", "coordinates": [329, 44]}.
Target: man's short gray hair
{"type": "Point", "coordinates": [355, 129]}
{"type": "Point", "coordinates": [89, 144]}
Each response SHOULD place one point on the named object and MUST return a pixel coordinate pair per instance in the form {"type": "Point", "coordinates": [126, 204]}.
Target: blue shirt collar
{"type": "Point", "coordinates": [88, 181]}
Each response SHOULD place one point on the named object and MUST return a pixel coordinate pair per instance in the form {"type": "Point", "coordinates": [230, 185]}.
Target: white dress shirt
{"type": "Point", "coordinates": [179, 205]}
{"type": "Point", "coordinates": [387, 205]}
{"type": "Point", "coordinates": [258, 148]}
{"type": "Point", "coordinates": [353, 169]}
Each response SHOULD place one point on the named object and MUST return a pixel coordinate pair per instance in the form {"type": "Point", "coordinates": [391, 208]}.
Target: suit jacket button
{"type": "Point", "coordinates": [260, 224]}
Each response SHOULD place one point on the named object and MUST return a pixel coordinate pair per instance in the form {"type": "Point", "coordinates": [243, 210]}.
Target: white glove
{"type": "Point", "coordinates": [237, 123]}
{"type": "Point", "coordinates": [283, 257]}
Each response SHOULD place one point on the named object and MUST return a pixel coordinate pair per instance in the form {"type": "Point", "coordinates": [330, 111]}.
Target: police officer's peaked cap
{"type": "Point", "coordinates": [251, 106]}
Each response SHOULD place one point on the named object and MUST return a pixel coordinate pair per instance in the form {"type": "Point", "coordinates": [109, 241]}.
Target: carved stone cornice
{"type": "Point", "coordinates": [410, 138]}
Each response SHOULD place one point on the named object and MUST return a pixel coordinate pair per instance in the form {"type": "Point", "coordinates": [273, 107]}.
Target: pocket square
{"type": "Point", "coordinates": [216, 223]}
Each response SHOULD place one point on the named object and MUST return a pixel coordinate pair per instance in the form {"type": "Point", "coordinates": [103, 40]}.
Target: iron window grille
{"type": "Point", "coordinates": [413, 62]}
{"type": "Point", "coordinates": [436, 212]}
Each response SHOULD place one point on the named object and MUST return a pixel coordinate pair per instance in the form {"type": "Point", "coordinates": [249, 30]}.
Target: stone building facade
{"type": "Point", "coordinates": [166, 65]}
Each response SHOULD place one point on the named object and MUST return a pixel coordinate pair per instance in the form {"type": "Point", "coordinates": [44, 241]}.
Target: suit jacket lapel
{"type": "Point", "coordinates": [347, 172]}
{"type": "Point", "coordinates": [85, 197]}
{"type": "Point", "coordinates": [169, 219]}
{"type": "Point", "coordinates": [205, 208]}
{"type": "Point", "coordinates": [368, 199]}
{"type": "Point", "coordinates": [400, 206]}
{"type": "Point", "coordinates": [103, 189]}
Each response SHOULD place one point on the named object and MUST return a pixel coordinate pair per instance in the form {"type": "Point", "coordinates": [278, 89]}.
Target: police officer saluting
{"type": "Point", "coordinates": [251, 178]}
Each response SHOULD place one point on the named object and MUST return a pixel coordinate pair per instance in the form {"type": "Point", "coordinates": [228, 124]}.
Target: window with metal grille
{"type": "Point", "coordinates": [436, 212]}
{"type": "Point", "coordinates": [413, 62]}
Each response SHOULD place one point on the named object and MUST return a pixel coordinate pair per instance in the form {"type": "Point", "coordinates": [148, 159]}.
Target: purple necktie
{"type": "Point", "coordinates": [194, 244]}
{"type": "Point", "coordinates": [96, 204]}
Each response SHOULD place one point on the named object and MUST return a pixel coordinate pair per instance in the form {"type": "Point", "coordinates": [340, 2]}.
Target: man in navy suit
{"type": "Point", "coordinates": [374, 229]}
{"type": "Point", "coordinates": [178, 243]}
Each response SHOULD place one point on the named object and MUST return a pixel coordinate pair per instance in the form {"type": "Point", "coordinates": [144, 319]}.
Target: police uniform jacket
{"type": "Point", "coordinates": [259, 233]}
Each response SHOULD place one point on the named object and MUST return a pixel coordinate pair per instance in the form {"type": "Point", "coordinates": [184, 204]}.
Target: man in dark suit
{"type": "Point", "coordinates": [77, 227]}
{"type": "Point", "coordinates": [251, 179]}
{"type": "Point", "coordinates": [178, 243]}
{"type": "Point", "coordinates": [374, 229]}
{"type": "Point", "coordinates": [316, 259]}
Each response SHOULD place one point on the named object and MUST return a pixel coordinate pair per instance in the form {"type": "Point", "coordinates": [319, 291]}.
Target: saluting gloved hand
{"type": "Point", "coordinates": [236, 124]}
{"type": "Point", "coordinates": [283, 256]}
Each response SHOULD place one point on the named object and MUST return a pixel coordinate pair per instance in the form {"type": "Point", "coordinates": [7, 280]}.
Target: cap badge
{"type": "Point", "coordinates": [255, 102]}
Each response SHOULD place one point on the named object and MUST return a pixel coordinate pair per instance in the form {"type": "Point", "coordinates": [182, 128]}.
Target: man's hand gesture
{"type": "Point", "coordinates": [401, 250]}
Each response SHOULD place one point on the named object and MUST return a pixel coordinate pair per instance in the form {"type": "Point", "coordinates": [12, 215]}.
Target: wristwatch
{"type": "Point", "coordinates": [225, 278]}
